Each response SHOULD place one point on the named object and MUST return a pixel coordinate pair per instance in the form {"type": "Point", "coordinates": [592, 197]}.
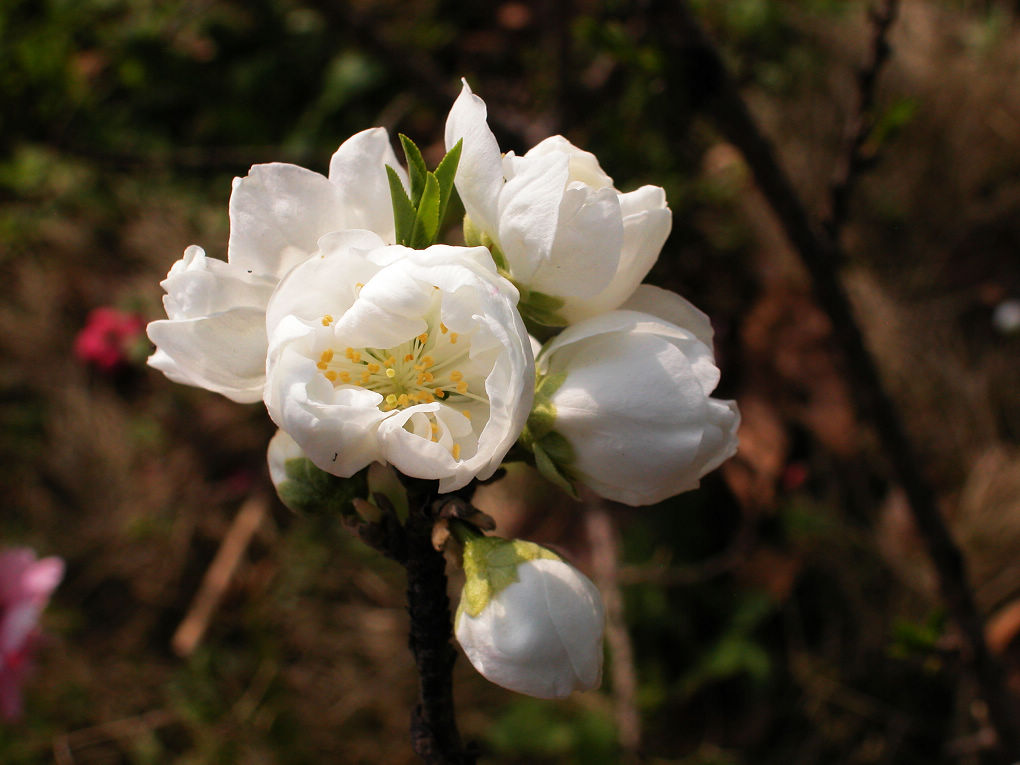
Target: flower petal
{"type": "Point", "coordinates": [224, 352]}
{"type": "Point", "coordinates": [479, 177]}
{"type": "Point", "coordinates": [358, 170]}
{"type": "Point", "coordinates": [278, 212]}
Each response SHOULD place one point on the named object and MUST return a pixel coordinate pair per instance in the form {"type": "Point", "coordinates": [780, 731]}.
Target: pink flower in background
{"type": "Point", "coordinates": [25, 586]}
{"type": "Point", "coordinates": [109, 338]}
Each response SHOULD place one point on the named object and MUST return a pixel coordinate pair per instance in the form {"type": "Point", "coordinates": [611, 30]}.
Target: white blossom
{"type": "Point", "coordinates": [416, 358]}
{"type": "Point", "coordinates": [528, 621]}
{"type": "Point", "coordinates": [575, 245]}
{"type": "Point", "coordinates": [629, 391]}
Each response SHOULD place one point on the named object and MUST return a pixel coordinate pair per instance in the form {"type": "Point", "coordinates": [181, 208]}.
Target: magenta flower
{"type": "Point", "coordinates": [25, 586]}
{"type": "Point", "coordinates": [109, 338]}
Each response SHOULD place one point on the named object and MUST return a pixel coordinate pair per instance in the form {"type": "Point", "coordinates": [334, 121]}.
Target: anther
{"type": "Point", "coordinates": [455, 451]}
{"type": "Point", "coordinates": [331, 376]}
{"type": "Point", "coordinates": [327, 320]}
{"type": "Point", "coordinates": [453, 337]}
{"type": "Point", "coordinates": [423, 338]}
{"type": "Point", "coordinates": [462, 387]}
{"type": "Point", "coordinates": [373, 367]}
{"type": "Point", "coordinates": [456, 375]}
{"type": "Point", "coordinates": [327, 355]}
{"type": "Point", "coordinates": [443, 328]}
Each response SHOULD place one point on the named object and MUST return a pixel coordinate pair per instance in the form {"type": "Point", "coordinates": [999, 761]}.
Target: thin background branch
{"type": "Point", "coordinates": [702, 74]}
{"type": "Point", "coordinates": [854, 160]}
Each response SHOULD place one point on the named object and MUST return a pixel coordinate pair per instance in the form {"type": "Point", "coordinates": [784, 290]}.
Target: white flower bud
{"type": "Point", "coordinates": [528, 621]}
{"type": "Point", "coordinates": [623, 402]}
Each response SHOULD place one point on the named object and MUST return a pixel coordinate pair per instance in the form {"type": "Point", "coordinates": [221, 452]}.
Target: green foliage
{"type": "Point", "coordinates": [417, 218]}
{"type": "Point", "coordinates": [561, 733]}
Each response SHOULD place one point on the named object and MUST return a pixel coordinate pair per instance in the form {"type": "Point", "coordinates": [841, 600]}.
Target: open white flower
{"type": "Point", "coordinates": [575, 245]}
{"type": "Point", "coordinates": [527, 620]}
{"type": "Point", "coordinates": [214, 336]}
{"type": "Point", "coordinates": [417, 358]}
{"type": "Point", "coordinates": [629, 391]}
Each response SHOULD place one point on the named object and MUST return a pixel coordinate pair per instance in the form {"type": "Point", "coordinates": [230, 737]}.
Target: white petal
{"type": "Point", "coordinates": [670, 307]}
{"type": "Point", "coordinates": [358, 169]}
{"type": "Point", "coordinates": [224, 352]}
{"type": "Point", "coordinates": [646, 226]}
{"type": "Point", "coordinates": [541, 636]}
{"type": "Point", "coordinates": [278, 212]}
{"type": "Point", "coordinates": [198, 286]}
{"type": "Point", "coordinates": [529, 209]}
{"type": "Point", "coordinates": [584, 166]}
{"type": "Point", "coordinates": [480, 172]}
{"type": "Point", "coordinates": [282, 449]}
{"type": "Point", "coordinates": [586, 252]}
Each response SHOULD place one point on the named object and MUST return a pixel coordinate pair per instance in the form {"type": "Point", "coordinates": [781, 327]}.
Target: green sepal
{"type": "Point", "coordinates": [446, 171]}
{"type": "Point", "coordinates": [538, 308]}
{"type": "Point", "coordinates": [383, 479]}
{"type": "Point", "coordinates": [490, 566]}
{"type": "Point", "coordinates": [426, 221]}
{"type": "Point", "coordinates": [403, 210]}
{"type": "Point", "coordinates": [417, 170]}
{"type": "Point", "coordinates": [475, 237]}
{"type": "Point", "coordinates": [308, 489]}
{"type": "Point", "coordinates": [552, 455]}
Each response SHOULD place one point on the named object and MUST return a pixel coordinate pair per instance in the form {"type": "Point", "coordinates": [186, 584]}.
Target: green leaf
{"type": "Point", "coordinates": [403, 210]}
{"type": "Point", "coordinates": [445, 173]}
{"type": "Point", "coordinates": [541, 309]}
{"type": "Point", "coordinates": [417, 170]}
{"type": "Point", "coordinates": [426, 221]}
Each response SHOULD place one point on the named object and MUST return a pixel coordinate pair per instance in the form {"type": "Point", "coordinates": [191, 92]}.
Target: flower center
{"type": "Point", "coordinates": [424, 369]}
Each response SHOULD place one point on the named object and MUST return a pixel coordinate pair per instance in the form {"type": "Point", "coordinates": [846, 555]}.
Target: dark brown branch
{"type": "Point", "coordinates": [858, 129]}
{"type": "Point", "coordinates": [434, 734]}
{"type": "Point", "coordinates": [716, 92]}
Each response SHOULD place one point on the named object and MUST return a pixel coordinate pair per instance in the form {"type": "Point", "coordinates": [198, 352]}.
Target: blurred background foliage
{"type": "Point", "coordinates": [784, 613]}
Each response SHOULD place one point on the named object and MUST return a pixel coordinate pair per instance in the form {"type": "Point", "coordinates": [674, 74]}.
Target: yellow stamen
{"type": "Point", "coordinates": [327, 320]}
{"type": "Point", "coordinates": [331, 376]}
{"type": "Point", "coordinates": [423, 338]}
{"type": "Point", "coordinates": [391, 373]}
{"type": "Point", "coordinates": [390, 361]}
{"type": "Point", "coordinates": [327, 355]}
{"type": "Point", "coordinates": [403, 400]}
{"type": "Point", "coordinates": [456, 375]}
{"type": "Point", "coordinates": [453, 337]}
{"type": "Point", "coordinates": [433, 427]}
{"type": "Point", "coordinates": [349, 353]}
{"type": "Point", "coordinates": [391, 399]}
{"type": "Point", "coordinates": [456, 451]}
{"type": "Point", "coordinates": [466, 413]}
{"type": "Point", "coordinates": [443, 328]}
{"type": "Point", "coordinates": [439, 392]}
{"type": "Point", "coordinates": [322, 365]}
{"type": "Point", "coordinates": [345, 376]}
{"type": "Point", "coordinates": [462, 387]}
{"type": "Point", "coordinates": [373, 367]}
{"type": "Point", "coordinates": [356, 357]}
{"type": "Point", "coordinates": [409, 357]}
{"type": "Point", "coordinates": [427, 361]}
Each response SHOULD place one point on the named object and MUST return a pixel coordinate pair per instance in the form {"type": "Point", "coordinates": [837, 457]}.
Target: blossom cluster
{"type": "Point", "coordinates": [369, 343]}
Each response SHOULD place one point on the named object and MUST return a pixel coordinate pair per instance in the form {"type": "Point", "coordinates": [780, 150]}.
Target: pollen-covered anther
{"type": "Point", "coordinates": [462, 387]}
{"type": "Point", "coordinates": [443, 328]}
{"type": "Point", "coordinates": [423, 338]}
{"type": "Point", "coordinates": [330, 375]}
{"type": "Point", "coordinates": [456, 375]}
{"type": "Point", "coordinates": [372, 367]}
{"type": "Point", "coordinates": [455, 451]}
{"type": "Point", "coordinates": [327, 320]}
{"type": "Point", "coordinates": [453, 337]}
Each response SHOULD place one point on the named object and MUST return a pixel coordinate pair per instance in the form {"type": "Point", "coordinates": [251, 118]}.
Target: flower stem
{"type": "Point", "coordinates": [434, 734]}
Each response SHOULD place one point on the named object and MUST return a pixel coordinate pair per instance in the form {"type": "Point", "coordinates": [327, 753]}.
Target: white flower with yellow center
{"type": "Point", "coordinates": [417, 358]}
